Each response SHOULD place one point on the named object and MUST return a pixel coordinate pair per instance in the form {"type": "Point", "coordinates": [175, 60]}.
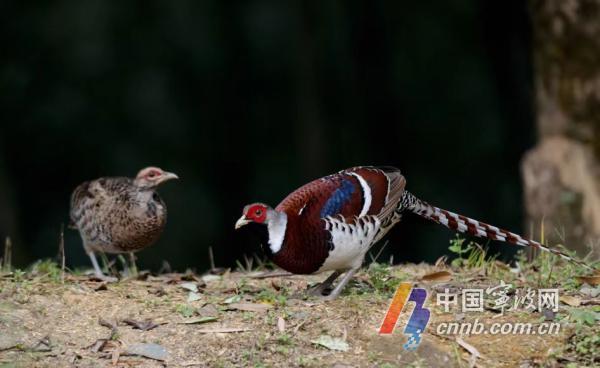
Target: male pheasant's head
{"type": "Point", "coordinates": [273, 233]}
{"type": "Point", "coordinates": [151, 177]}
{"type": "Point", "coordinates": [258, 213]}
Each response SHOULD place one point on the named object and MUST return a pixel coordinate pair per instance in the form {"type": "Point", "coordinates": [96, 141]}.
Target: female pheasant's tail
{"type": "Point", "coordinates": [467, 225]}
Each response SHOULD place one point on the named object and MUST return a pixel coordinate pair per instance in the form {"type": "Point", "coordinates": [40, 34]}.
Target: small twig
{"type": "Point", "coordinates": [381, 250]}
{"type": "Point", "coordinates": [300, 324]}
{"type": "Point", "coordinates": [266, 275]}
{"type": "Point", "coordinates": [211, 258]}
{"type": "Point", "coordinates": [113, 327]}
{"type": "Point", "coordinates": [164, 268]}
{"type": "Point", "coordinates": [259, 261]}
{"type": "Point", "coordinates": [7, 254]}
{"type": "Point", "coordinates": [249, 263]}
{"type": "Point", "coordinates": [43, 345]}
{"type": "Point", "coordinates": [61, 252]}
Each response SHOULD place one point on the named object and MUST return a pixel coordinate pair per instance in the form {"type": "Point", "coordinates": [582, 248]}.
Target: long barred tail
{"type": "Point", "coordinates": [467, 225]}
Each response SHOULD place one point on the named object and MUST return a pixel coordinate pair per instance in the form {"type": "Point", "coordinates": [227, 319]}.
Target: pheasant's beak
{"type": "Point", "coordinates": [166, 176]}
{"type": "Point", "coordinates": [241, 222]}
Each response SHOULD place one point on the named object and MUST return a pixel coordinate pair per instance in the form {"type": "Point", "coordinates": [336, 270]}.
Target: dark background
{"type": "Point", "coordinates": [247, 101]}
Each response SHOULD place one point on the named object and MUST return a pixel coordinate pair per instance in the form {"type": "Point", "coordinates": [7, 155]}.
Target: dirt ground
{"type": "Point", "coordinates": [238, 319]}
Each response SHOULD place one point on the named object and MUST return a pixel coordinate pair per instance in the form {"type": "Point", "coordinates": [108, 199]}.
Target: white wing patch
{"type": "Point", "coordinates": [350, 242]}
{"type": "Point", "coordinates": [367, 196]}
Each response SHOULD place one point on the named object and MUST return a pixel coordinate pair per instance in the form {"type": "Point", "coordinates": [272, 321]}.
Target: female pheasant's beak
{"type": "Point", "coordinates": [166, 176]}
{"type": "Point", "coordinates": [242, 222]}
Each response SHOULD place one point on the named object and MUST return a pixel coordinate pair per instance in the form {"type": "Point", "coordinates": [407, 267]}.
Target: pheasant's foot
{"type": "Point", "coordinates": [324, 288]}
{"type": "Point", "coordinates": [320, 290]}
{"type": "Point", "coordinates": [340, 286]}
{"type": "Point", "coordinates": [103, 277]}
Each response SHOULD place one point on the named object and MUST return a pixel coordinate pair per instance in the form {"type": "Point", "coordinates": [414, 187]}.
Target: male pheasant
{"type": "Point", "coordinates": [118, 214]}
{"type": "Point", "coordinates": [330, 223]}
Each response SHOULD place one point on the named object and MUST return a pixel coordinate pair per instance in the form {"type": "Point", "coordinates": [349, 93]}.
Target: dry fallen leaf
{"type": "Point", "coordinates": [198, 320]}
{"type": "Point", "coordinates": [116, 354]}
{"type": "Point", "coordinates": [211, 278]}
{"type": "Point", "coordinates": [208, 310]}
{"type": "Point", "coordinates": [152, 351]}
{"type": "Point", "coordinates": [192, 297]}
{"type": "Point", "coordinates": [281, 324]}
{"type": "Point", "coordinates": [250, 307]}
{"type": "Point", "coordinates": [101, 286]}
{"type": "Point", "coordinates": [332, 343]}
{"type": "Point", "coordinates": [190, 286]}
{"type": "Point", "coordinates": [440, 276]}
{"type": "Point", "coordinates": [590, 280]}
{"type": "Point", "coordinates": [573, 301]}
{"type": "Point", "coordinates": [232, 299]}
{"type": "Point", "coordinates": [141, 325]}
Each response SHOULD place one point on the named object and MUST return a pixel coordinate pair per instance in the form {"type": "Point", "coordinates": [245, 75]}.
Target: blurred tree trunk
{"type": "Point", "coordinates": [561, 174]}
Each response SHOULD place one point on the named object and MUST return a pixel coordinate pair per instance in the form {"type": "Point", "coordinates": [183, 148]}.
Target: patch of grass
{"type": "Point", "coordinates": [470, 255]}
{"type": "Point", "coordinates": [382, 278]}
{"type": "Point", "coordinates": [584, 316]}
{"type": "Point", "coordinates": [583, 347]}
{"type": "Point", "coordinates": [272, 297]}
{"type": "Point", "coordinates": [284, 339]}
{"type": "Point", "coordinates": [46, 268]}
{"type": "Point", "coordinates": [185, 310]}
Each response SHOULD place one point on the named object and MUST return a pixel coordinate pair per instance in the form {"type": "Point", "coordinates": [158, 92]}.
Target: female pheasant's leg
{"type": "Point", "coordinates": [126, 270]}
{"type": "Point", "coordinates": [323, 286]}
{"type": "Point", "coordinates": [340, 286]}
{"type": "Point", "coordinates": [133, 266]}
{"type": "Point", "coordinates": [97, 271]}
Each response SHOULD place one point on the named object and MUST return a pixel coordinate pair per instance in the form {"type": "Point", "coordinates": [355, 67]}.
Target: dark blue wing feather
{"type": "Point", "coordinates": [340, 196]}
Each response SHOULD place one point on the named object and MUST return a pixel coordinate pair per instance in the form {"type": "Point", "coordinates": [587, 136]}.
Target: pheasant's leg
{"type": "Point", "coordinates": [133, 266]}
{"type": "Point", "coordinates": [340, 286]}
{"type": "Point", "coordinates": [320, 288]}
{"type": "Point", "coordinates": [97, 271]}
{"type": "Point", "coordinates": [126, 270]}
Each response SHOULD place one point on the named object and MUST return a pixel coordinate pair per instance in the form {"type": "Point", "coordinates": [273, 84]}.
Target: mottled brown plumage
{"type": "Point", "coordinates": [119, 215]}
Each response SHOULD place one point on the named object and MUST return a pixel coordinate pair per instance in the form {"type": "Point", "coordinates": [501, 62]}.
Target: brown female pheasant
{"type": "Point", "coordinates": [119, 215]}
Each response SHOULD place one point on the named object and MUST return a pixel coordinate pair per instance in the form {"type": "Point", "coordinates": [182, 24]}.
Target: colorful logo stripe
{"type": "Point", "coordinates": [418, 320]}
{"type": "Point", "coordinates": [391, 317]}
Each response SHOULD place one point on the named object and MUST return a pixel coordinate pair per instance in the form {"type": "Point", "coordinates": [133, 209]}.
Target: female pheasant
{"type": "Point", "coordinates": [329, 224]}
{"type": "Point", "coordinates": [119, 215]}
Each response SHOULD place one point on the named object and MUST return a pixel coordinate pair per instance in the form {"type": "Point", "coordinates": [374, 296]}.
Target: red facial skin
{"type": "Point", "coordinates": [257, 213]}
{"type": "Point", "coordinates": [153, 174]}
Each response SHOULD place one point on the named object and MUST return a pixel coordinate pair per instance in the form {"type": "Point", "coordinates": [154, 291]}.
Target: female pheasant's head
{"type": "Point", "coordinates": [151, 177]}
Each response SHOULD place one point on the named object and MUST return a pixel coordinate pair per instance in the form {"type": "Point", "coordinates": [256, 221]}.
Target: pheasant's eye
{"type": "Point", "coordinates": [152, 174]}
{"type": "Point", "coordinates": [258, 212]}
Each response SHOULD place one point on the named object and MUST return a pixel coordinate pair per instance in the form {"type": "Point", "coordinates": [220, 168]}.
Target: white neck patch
{"type": "Point", "coordinates": [366, 192]}
{"type": "Point", "coordinates": [276, 225]}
